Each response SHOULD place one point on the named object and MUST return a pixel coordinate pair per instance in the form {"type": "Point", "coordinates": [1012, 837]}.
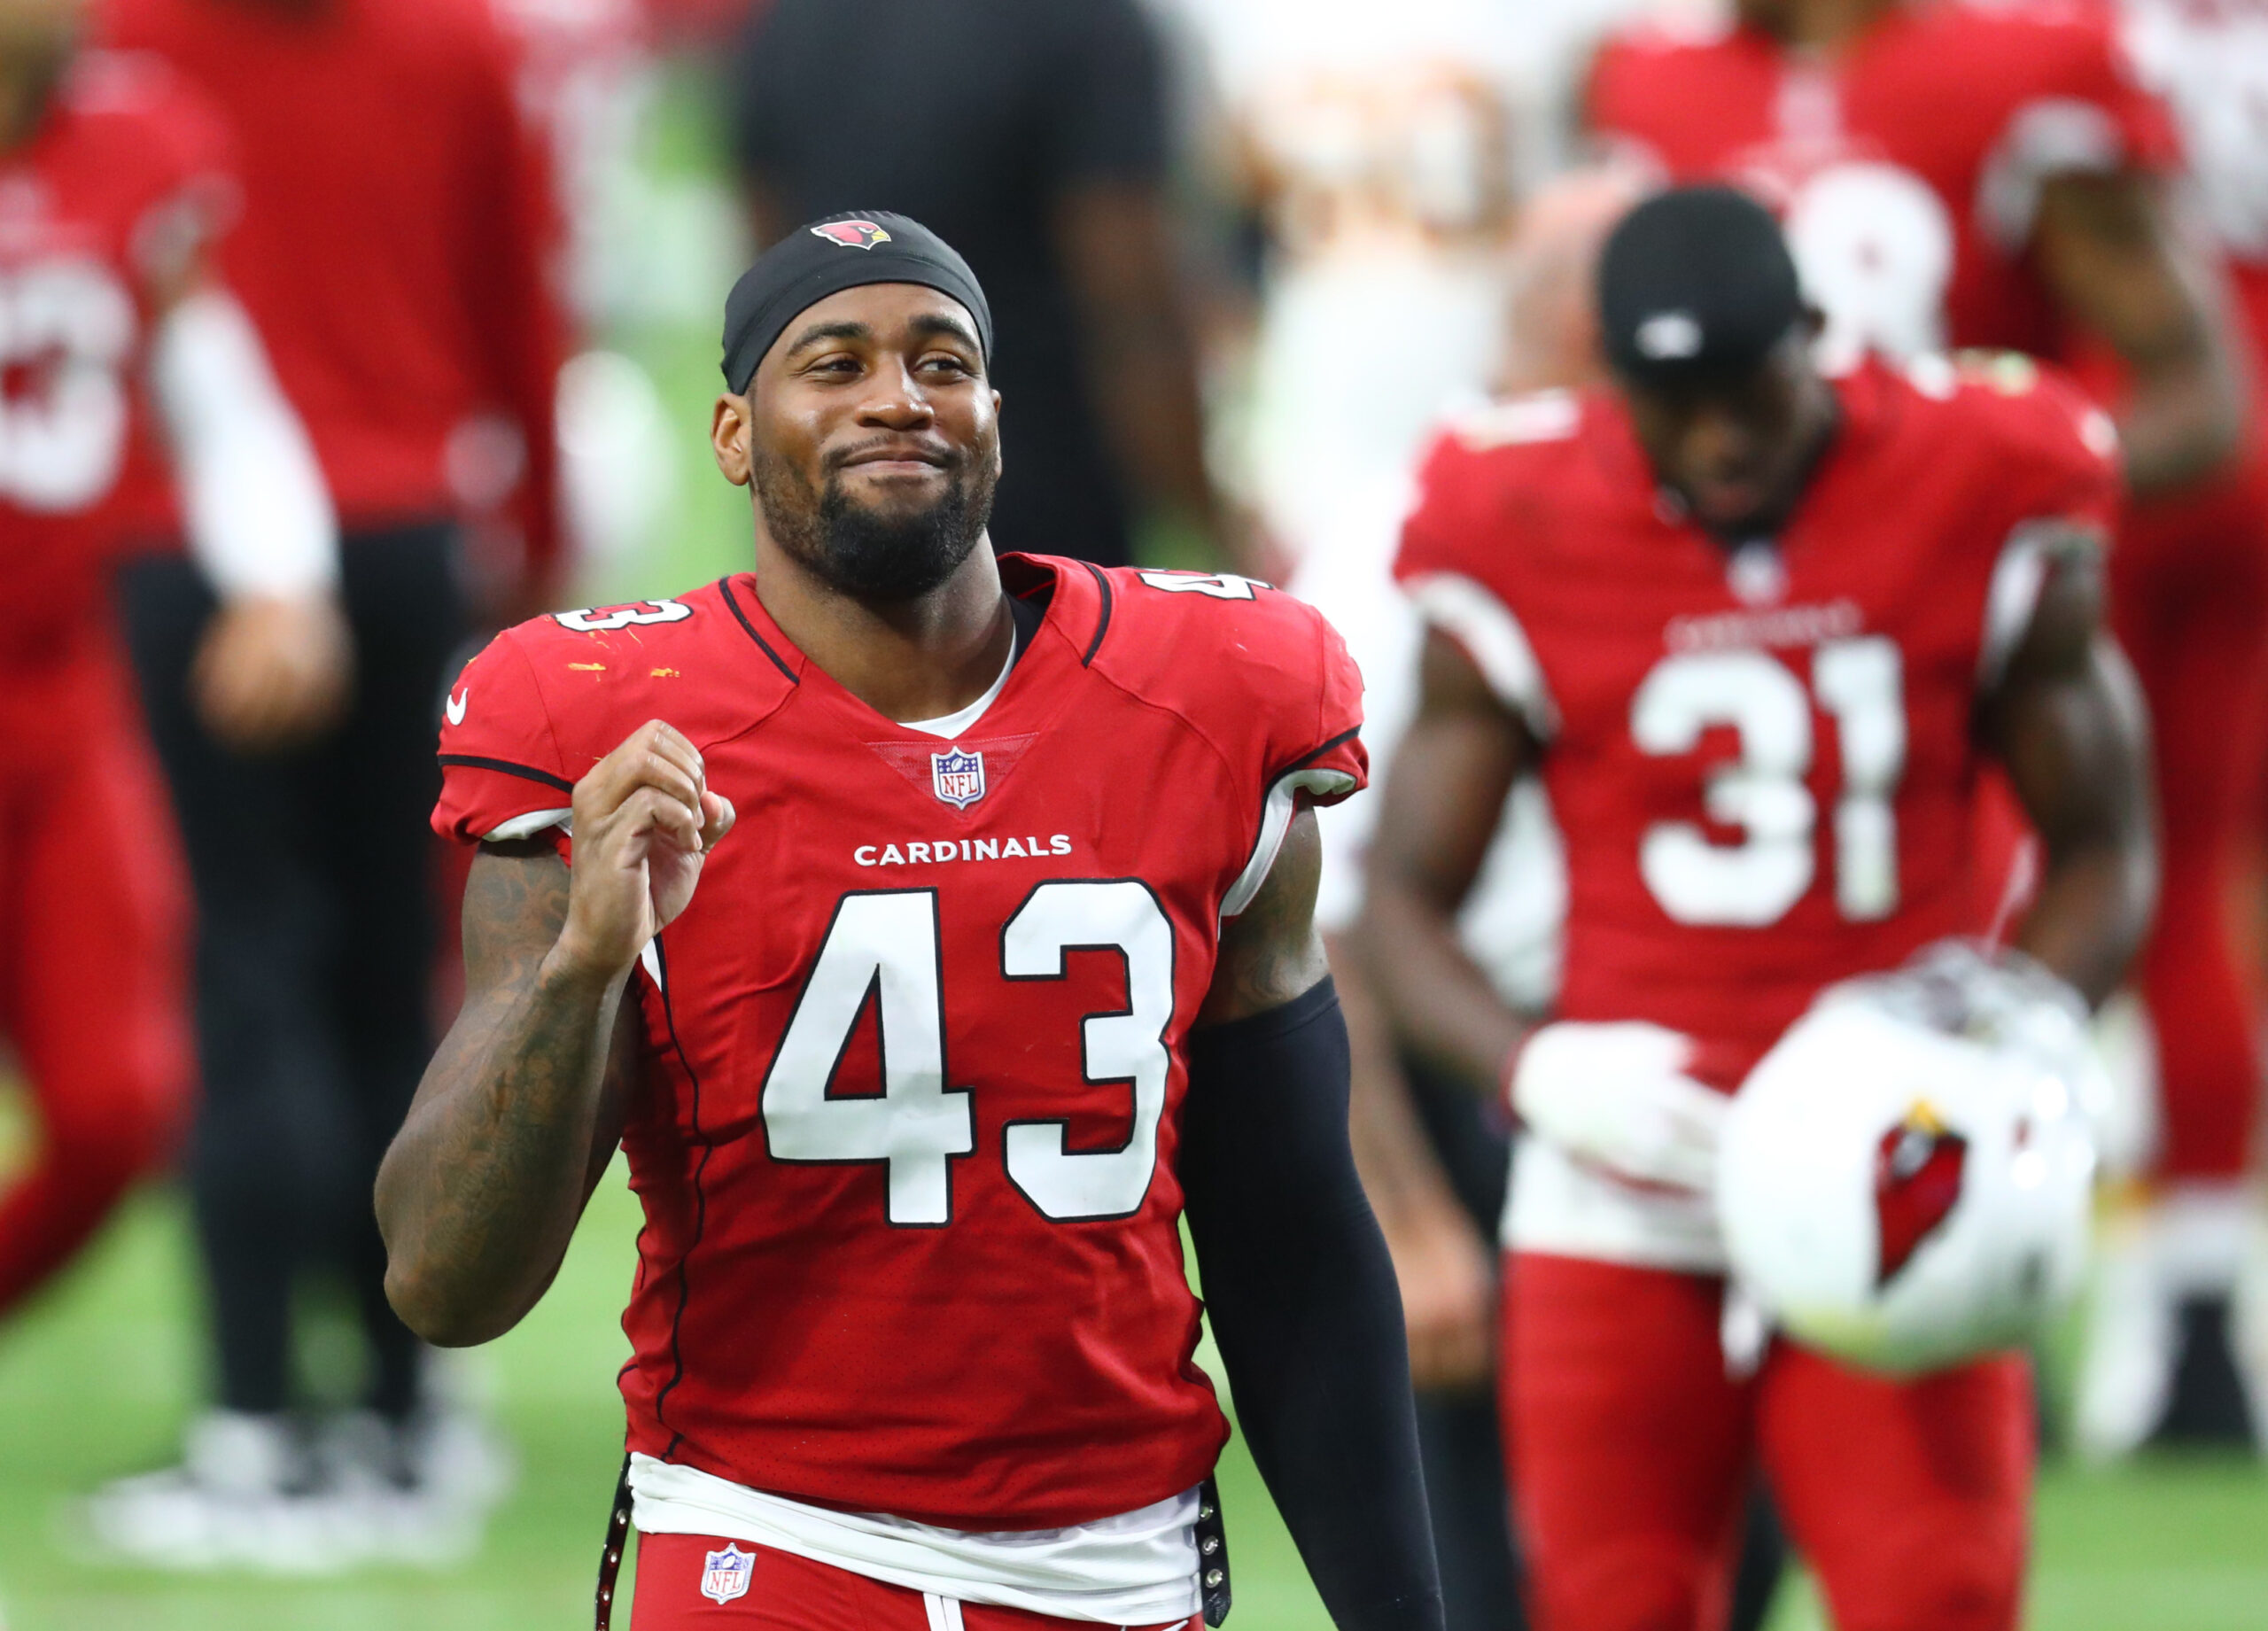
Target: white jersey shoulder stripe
{"type": "Point", "coordinates": [1469, 613]}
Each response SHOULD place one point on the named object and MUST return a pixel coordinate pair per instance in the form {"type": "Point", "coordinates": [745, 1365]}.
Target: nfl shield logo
{"type": "Point", "coordinates": [725, 1575]}
{"type": "Point", "coordinates": [957, 778]}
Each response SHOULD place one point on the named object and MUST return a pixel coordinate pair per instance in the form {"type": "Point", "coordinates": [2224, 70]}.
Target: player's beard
{"type": "Point", "coordinates": [867, 554]}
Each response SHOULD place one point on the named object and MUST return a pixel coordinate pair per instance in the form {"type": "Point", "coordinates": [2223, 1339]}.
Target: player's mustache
{"type": "Point", "coordinates": [929, 450]}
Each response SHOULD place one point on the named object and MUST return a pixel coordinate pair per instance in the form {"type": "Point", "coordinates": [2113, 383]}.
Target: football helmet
{"type": "Point", "coordinates": [1904, 1181]}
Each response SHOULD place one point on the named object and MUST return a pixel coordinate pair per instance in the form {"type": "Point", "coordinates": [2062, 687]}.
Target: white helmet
{"type": "Point", "coordinates": [1904, 1179]}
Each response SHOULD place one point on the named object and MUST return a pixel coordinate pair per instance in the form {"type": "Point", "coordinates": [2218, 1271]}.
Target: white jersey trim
{"type": "Point", "coordinates": [1139, 1568]}
{"type": "Point", "coordinates": [1560, 1206]}
{"type": "Point", "coordinates": [952, 725]}
{"type": "Point", "coordinates": [1275, 813]}
{"type": "Point", "coordinates": [2013, 598]}
{"type": "Point", "coordinates": [1468, 613]}
{"type": "Point", "coordinates": [529, 824]}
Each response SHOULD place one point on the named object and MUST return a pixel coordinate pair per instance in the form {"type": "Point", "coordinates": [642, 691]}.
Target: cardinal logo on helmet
{"type": "Point", "coordinates": [852, 234]}
{"type": "Point", "coordinates": [1917, 1179]}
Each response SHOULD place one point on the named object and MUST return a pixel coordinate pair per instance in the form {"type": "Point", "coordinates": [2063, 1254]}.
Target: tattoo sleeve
{"type": "Point", "coordinates": [516, 1117]}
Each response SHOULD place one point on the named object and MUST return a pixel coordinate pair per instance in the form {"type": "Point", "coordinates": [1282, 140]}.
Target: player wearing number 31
{"type": "Point", "coordinates": [1761, 630]}
{"type": "Point", "coordinates": [931, 931]}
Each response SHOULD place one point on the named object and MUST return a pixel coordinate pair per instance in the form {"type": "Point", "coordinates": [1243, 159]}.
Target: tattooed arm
{"type": "Point", "coordinates": [1298, 1283]}
{"type": "Point", "coordinates": [524, 1104]}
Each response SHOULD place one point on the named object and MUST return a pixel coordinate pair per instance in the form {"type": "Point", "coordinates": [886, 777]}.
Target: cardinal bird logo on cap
{"type": "Point", "coordinates": [1917, 1179]}
{"type": "Point", "coordinates": [852, 234]}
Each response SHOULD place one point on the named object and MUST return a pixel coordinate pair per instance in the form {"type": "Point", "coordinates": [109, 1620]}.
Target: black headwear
{"type": "Point", "coordinates": [828, 256]}
{"type": "Point", "coordinates": [1696, 284]}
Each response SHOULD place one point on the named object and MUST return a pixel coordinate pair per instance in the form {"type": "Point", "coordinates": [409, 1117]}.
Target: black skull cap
{"type": "Point", "coordinates": [827, 256]}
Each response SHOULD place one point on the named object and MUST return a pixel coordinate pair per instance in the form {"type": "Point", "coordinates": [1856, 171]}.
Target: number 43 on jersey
{"type": "Point", "coordinates": [885, 943]}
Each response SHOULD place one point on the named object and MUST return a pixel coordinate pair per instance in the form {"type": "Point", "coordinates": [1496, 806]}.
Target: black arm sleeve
{"type": "Point", "coordinates": [1306, 1309]}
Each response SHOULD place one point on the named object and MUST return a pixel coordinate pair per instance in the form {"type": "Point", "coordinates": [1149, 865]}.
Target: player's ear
{"type": "Point", "coordinates": [996, 435]}
{"type": "Point", "coordinates": [728, 438]}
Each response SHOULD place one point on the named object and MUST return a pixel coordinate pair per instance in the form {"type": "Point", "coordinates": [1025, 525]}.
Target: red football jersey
{"type": "Point", "coordinates": [124, 175]}
{"type": "Point", "coordinates": [1908, 166]}
{"type": "Point", "coordinates": [1763, 761]}
{"type": "Point", "coordinates": [907, 1141]}
{"type": "Point", "coordinates": [395, 251]}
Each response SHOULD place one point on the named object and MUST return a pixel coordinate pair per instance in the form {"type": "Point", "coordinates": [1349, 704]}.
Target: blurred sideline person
{"type": "Point", "coordinates": [397, 266]}
{"type": "Point", "coordinates": [2162, 1330]}
{"type": "Point", "coordinates": [1760, 629]}
{"type": "Point", "coordinates": [1032, 134]}
{"type": "Point", "coordinates": [921, 1357]}
{"type": "Point", "coordinates": [118, 346]}
{"type": "Point", "coordinates": [1965, 175]}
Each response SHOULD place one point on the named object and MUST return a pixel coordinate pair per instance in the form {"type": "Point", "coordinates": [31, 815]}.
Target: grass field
{"type": "Point", "coordinates": [99, 1379]}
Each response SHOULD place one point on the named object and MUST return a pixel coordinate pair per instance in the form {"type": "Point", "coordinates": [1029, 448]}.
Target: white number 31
{"type": "Point", "coordinates": [1859, 684]}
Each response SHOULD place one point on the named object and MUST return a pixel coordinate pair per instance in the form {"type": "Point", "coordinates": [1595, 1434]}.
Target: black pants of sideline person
{"type": "Point", "coordinates": [313, 873]}
{"type": "Point", "coordinates": [1457, 1432]}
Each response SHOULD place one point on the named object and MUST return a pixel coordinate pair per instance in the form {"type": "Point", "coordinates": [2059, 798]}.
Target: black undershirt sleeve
{"type": "Point", "coordinates": [1306, 1308]}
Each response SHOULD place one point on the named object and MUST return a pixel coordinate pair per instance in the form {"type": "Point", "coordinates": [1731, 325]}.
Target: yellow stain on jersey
{"type": "Point", "coordinates": [662, 673]}
{"type": "Point", "coordinates": [589, 668]}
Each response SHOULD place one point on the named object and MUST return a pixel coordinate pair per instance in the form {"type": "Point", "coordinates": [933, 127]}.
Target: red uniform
{"type": "Point", "coordinates": [907, 1138]}
{"type": "Point", "coordinates": [124, 177]}
{"type": "Point", "coordinates": [399, 218]}
{"type": "Point", "coordinates": [1908, 169]}
{"type": "Point", "coordinates": [1765, 767]}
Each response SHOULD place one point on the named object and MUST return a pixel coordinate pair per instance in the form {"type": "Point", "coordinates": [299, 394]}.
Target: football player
{"type": "Point", "coordinates": [931, 932]}
{"type": "Point", "coordinates": [116, 346]}
{"type": "Point", "coordinates": [1761, 629]}
{"type": "Point", "coordinates": [1971, 174]}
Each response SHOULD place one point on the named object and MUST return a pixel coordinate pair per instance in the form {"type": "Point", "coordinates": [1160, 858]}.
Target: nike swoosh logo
{"type": "Point", "coordinates": [455, 707]}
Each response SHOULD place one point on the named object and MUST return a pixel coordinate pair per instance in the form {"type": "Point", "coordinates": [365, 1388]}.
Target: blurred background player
{"type": "Point", "coordinates": [1959, 174]}
{"type": "Point", "coordinates": [117, 345]}
{"type": "Point", "coordinates": [398, 267]}
{"type": "Point", "coordinates": [1032, 135]}
{"type": "Point", "coordinates": [1694, 599]}
{"type": "Point", "coordinates": [2160, 1340]}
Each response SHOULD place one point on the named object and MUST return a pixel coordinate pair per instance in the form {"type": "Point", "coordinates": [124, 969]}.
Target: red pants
{"type": "Point", "coordinates": [1630, 1452]}
{"type": "Point", "coordinates": [2190, 600]}
{"type": "Point", "coordinates": [93, 977]}
{"type": "Point", "coordinates": [787, 1593]}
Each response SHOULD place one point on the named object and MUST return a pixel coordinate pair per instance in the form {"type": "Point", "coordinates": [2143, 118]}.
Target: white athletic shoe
{"type": "Point", "coordinates": [242, 1498]}
{"type": "Point", "coordinates": [2126, 1368]}
{"type": "Point", "coordinates": [424, 1488]}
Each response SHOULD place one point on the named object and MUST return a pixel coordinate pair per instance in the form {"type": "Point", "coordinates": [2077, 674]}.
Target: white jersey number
{"type": "Point", "coordinates": [1860, 683]}
{"type": "Point", "coordinates": [885, 945]}
{"type": "Point", "coordinates": [70, 326]}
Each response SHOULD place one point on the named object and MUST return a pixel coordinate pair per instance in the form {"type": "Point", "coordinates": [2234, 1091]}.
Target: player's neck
{"type": "Point", "coordinates": [1826, 26]}
{"type": "Point", "coordinates": [919, 659]}
{"type": "Point", "coordinates": [27, 89]}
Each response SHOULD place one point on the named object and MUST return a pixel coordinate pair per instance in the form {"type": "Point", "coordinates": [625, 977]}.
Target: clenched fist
{"type": "Point", "coordinates": [644, 820]}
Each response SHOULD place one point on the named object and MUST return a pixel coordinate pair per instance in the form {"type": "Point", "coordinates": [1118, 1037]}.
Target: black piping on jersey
{"type": "Point", "coordinates": [726, 585]}
{"type": "Point", "coordinates": [1305, 759]}
{"type": "Point", "coordinates": [505, 767]}
{"type": "Point", "coordinates": [1133, 1108]}
{"type": "Point", "coordinates": [1102, 621]}
{"type": "Point", "coordinates": [700, 1209]}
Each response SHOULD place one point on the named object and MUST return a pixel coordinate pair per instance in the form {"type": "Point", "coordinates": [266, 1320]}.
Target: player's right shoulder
{"type": "Point", "coordinates": [547, 699]}
{"type": "Point", "coordinates": [1506, 458]}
